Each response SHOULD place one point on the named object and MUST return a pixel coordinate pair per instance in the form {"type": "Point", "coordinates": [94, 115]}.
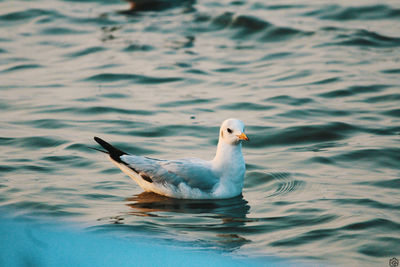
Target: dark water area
{"type": "Point", "coordinates": [316, 83]}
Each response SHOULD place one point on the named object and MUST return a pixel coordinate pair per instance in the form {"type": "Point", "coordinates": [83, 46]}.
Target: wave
{"type": "Point", "coordinates": [86, 51]}
{"type": "Point", "coordinates": [138, 48]}
{"type": "Point", "coordinates": [355, 90]}
{"type": "Point", "coordinates": [382, 157]}
{"type": "Point", "coordinates": [46, 123]}
{"type": "Point", "coordinates": [62, 31]}
{"type": "Point", "coordinates": [303, 134]}
{"type": "Point", "coordinates": [182, 103]}
{"type": "Point", "coordinates": [141, 79]}
{"type": "Point", "coordinates": [391, 183]}
{"type": "Point", "coordinates": [245, 106]}
{"type": "Point", "coordinates": [28, 14]}
{"type": "Point", "coordinates": [391, 71]}
{"type": "Point", "coordinates": [383, 98]}
{"type": "Point", "coordinates": [32, 141]}
{"type": "Point", "coordinates": [244, 26]}
{"type": "Point", "coordinates": [365, 38]}
{"type": "Point", "coordinates": [289, 100]}
{"type": "Point", "coordinates": [340, 13]}
{"type": "Point", "coordinates": [23, 67]}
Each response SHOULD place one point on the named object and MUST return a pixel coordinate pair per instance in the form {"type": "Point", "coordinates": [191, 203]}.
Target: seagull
{"type": "Point", "coordinates": [189, 178]}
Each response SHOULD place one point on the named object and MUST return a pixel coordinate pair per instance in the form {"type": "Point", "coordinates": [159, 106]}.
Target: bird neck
{"type": "Point", "coordinates": [229, 165]}
{"type": "Point", "coordinates": [227, 154]}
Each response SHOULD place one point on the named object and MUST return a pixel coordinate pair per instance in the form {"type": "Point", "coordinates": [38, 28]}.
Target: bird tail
{"type": "Point", "coordinates": [114, 152]}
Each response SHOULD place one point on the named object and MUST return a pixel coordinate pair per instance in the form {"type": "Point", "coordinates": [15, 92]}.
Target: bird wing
{"type": "Point", "coordinates": [196, 173]}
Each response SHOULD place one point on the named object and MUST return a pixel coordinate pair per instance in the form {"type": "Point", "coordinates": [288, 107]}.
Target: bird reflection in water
{"type": "Point", "coordinates": [228, 209]}
{"type": "Point", "coordinates": [225, 219]}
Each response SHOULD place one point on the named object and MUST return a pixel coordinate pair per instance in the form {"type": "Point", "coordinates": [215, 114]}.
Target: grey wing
{"type": "Point", "coordinates": [195, 173]}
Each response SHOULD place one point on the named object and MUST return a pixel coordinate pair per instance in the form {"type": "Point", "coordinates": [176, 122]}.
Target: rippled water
{"type": "Point", "coordinates": [316, 83]}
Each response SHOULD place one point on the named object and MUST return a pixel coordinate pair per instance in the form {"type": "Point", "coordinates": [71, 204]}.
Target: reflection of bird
{"type": "Point", "coordinates": [222, 220]}
{"type": "Point", "coordinates": [149, 203]}
{"type": "Point", "coordinates": [190, 178]}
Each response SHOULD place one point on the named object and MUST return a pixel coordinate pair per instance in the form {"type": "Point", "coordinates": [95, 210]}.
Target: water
{"type": "Point", "coordinates": [316, 84]}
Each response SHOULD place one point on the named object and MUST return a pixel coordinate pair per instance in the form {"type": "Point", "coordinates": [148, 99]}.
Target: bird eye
{"type": "Point", "coordinates": [229, 130]}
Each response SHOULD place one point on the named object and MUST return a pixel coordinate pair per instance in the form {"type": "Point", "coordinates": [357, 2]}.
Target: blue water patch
{"type": "Point", "coordinates": [28, 245]}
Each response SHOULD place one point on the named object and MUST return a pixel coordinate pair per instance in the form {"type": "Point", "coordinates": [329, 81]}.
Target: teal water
{"type": "Point", "coordinates": [317, 85]}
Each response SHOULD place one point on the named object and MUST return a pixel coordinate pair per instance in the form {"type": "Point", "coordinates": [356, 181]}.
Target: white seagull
{"type": "Point", "coordinates": [190, 178]}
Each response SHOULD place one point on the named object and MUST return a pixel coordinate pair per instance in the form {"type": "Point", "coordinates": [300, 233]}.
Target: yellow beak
{"type": "Point", "coordinates": [243, 136]}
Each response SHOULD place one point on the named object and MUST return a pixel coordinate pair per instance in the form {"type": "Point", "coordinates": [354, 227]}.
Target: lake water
{"type": "Point", "coordinates": [316, 83]}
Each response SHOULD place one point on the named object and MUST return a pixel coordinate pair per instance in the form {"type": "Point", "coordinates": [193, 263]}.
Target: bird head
{"type": "Point", "coordinates": [232, 132]}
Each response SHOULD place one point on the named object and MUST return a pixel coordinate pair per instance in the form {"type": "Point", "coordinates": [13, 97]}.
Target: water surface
{"type": "Point", "coordinates": [317, 85]}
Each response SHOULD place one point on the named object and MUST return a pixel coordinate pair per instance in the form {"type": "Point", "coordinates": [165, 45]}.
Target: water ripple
{"type": "Point", "coordinates": [86, 51]}
{"type": "Point", "coordinates": [22, 67]}
{"type": "Point", "coordinates": [62, 31]}
{"type": "Point", "coordinates": [383, 157]}
{"type": "Point", "coordinates": [114, 77]}
{"type": "Point", "coordinates": [361, 38]}
{"type": "Point", "coordinates": [245, 26]}
{"type": "Point", "coordinates": [28, 14]}
{"type": "Point", "coordinates": [391, 184]}
{"type": "Point", "coordinates": [383, 224]}
{"type": "Point", "coordinates": [354, 90]}
{"type": "Point", "coordinates": [32, 141]}
{"type": "Point", "coordinates": [372, 12]}
{"type": "Point", "coordinates": [304, 134]}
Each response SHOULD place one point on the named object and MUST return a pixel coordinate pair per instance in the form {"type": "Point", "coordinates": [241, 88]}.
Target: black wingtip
{"type": "Point", "coordinates": [114, 152]}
